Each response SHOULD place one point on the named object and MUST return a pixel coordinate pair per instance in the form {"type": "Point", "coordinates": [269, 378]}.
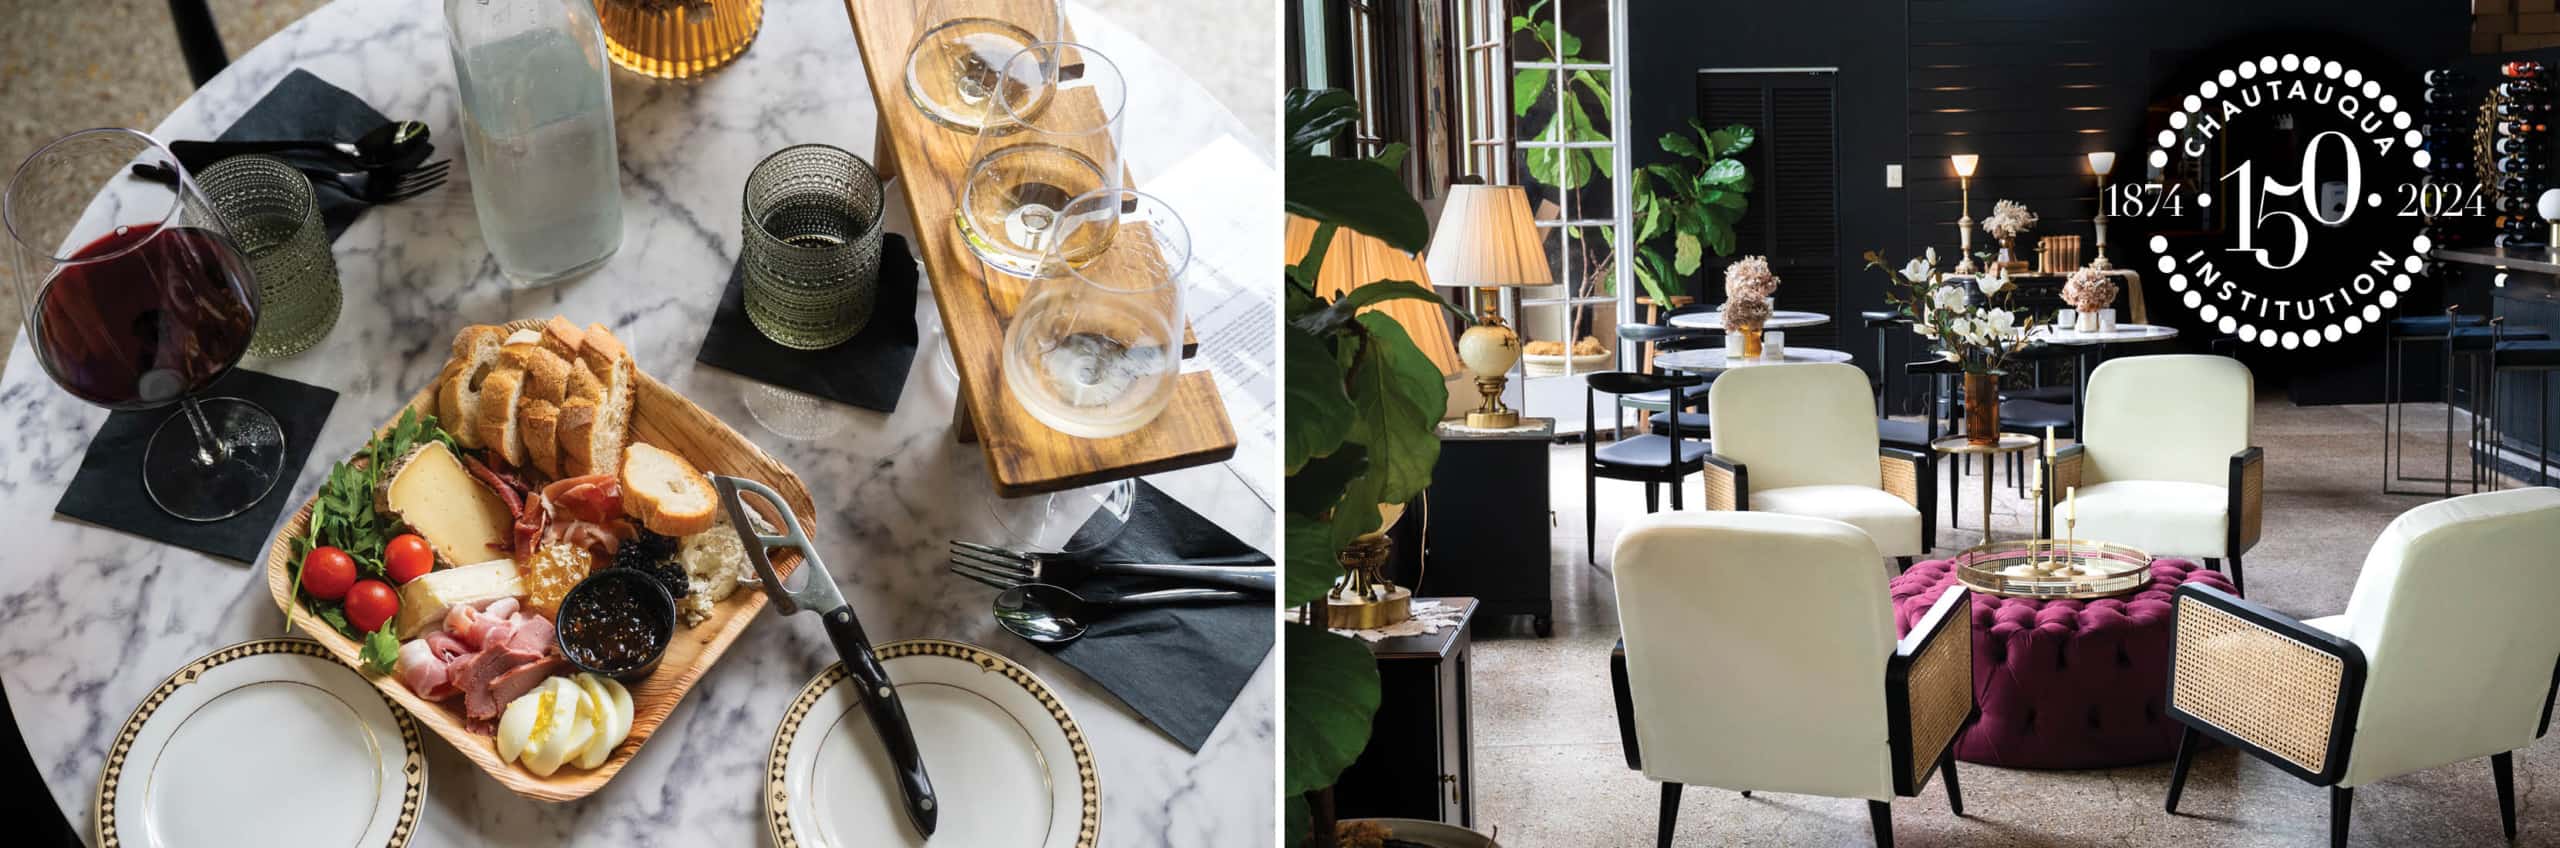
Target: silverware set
{"type": "Point", "coordinates": [383, 166]}
{"type": "Point", "coordinates": [1035, 603]}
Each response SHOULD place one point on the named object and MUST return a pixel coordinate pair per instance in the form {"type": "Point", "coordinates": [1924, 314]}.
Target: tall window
{"type": "Point", "coordinates": [1559, 136]}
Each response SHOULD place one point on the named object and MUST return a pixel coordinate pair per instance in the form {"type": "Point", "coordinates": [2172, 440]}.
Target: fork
{"type": "Point", "coordinates": [1004, 568]}
{"type": "Point", "coordinates": [371, 187]}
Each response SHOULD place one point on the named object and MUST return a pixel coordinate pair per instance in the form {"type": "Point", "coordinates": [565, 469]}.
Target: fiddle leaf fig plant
{"type": "Point", "coordinates": [1363, 403]}
{"type": "Point", "coordinates": [1695, 200]}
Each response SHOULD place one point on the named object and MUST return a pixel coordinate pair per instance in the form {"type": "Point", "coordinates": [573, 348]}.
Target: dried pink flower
{"type": "Point", "coordinates": [1749, 277]}
{"type": "Point", "coordinates": [2089, 289]}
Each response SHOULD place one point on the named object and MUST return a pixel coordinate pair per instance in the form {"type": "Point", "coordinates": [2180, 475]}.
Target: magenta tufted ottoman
{"type": "Point", "coordinates": [2065, 684]}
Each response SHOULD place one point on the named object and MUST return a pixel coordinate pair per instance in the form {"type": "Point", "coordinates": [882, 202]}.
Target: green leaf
{"type": "Point", "coordinates": [1317, 117]}
{"type": "Point", "coordinates": [1341, 312]}
{"type": "Point", "coordinates": [1315, 487]}
{"type": "Point", "coordinates": [1724, 173]}
{"type": "Point", "coordinates": [1333, 695]}
{"type": "Point", "coordinates": [1527, 85]}
{"type": "Point", "coordinates": [1677, 143]}
{"type": "Point", "coordinates": [1391, 157]}
{"type": "Point", "coordinates": [1685, 256]}
{"type": "Point", "coordinates": [1319, 410]}
{"type": "Point", "coordinates": [381, 652]}
{"type": "Point", "coordinates": [1732, 139]}
{"type": "Point", "coordinates": [1312, 567]}
{"type": "Point", "coordinates": [1720, 239]}
{"type": "Point", "coordinates": [1359, 195]}
{"type": "Point", "coordinates": [1399, 396]}
{"type": "Point", "coordinates": [1293, 809]}
{"type": "Point", "coordinates": [1597, 84]}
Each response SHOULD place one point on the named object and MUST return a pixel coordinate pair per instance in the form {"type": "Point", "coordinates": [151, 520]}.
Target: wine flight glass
{"type": "Point", "coordinates": [1051, 134]}
{"type": "Point", "coordinates": [960, 47]}
{"type": "Point", "coordinates": [136, 296]}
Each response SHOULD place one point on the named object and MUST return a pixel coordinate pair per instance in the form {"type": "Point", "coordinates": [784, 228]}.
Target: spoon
{"type": "Point", "coordinates": [391, 146]}
{"type": "Point", "coordinates": [1052, 615]}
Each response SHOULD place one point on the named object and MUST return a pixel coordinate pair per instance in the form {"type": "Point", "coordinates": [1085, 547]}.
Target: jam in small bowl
{"type": "Point", "coordinates": [617, 623]}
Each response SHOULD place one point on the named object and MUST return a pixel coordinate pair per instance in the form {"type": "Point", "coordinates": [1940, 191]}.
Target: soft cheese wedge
{"type": "Point", "coordinates": [425, 600]}
{"type": "Point", "coordinates": [430, 491]}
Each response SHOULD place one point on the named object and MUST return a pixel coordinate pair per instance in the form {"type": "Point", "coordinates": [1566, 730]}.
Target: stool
{"type": "Point", "coordinates": [2402, 331]}
{"type": "Point", "coordinates": [2540, 357]}
{"type": "Point", "coordinates": [2481, 345]}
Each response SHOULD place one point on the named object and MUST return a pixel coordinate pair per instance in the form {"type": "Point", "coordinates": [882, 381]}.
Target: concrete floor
{"type": "Point", "coordinates": [68, 65]}
{"type": "Point", "coordinates": [1549, 772]}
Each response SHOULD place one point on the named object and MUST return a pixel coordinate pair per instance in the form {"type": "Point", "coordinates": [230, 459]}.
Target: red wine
{"type": "Point", "coordinates": [165, 314]}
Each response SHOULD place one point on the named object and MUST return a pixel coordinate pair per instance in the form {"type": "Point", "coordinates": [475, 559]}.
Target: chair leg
{"type": "Point", "coordinates": [1955, 793]}
{"type": "Point", "coordinates": [1677, 483]}
{"type": "Point", "coordinates": [2342, 801]}
{"type": "Point", "coordinates": [2239, 584]}
{"type": "Point", "coordinates": [2188, 741]}
{"type": "Point", "coordinates": [1901, 564]}
{"type": "Point", "coordinates": [1881, 814]}
{"type": "Point", "coordinates": [1670, 814]}
{"type": "Point", "coordinates": [2212, 563]}
{"type": "Point", "coordinates": [1652, 497]}
{"type": "Point", "coordinates": [1590, 518]}
{"type": "Point", "coordinates": [2503, 767]}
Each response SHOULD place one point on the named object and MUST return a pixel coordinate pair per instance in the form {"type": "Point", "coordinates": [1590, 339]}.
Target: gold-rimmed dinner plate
{"type": "Point", "coordinates": [264, 743]}
{"type": "Point", "coordinates": [1009, 766]}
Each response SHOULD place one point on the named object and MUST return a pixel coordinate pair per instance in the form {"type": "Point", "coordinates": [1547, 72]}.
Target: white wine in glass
{"type": "Point", "coordinates": [1095, 351]}
{"type": "Point", "coordinates": [1051, 135]}
{"type": "Point", "coordinates": [962, 46]}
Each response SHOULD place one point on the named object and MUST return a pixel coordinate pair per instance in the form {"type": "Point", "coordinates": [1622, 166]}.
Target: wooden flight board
{"type": "Point", "coordinates": [929, 163]}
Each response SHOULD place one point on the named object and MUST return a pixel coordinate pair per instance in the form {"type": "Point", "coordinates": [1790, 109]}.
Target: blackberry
{"type": "Point", "coordinates": [654, 555]}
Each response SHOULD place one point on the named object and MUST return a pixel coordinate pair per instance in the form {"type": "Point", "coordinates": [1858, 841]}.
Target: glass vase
{"type": "Point", "coordinates": [1751, 342]}
{"type": "Point", "coordinates": [678, 39]}
{"type": "Point", "coordinates": [1981, 408]}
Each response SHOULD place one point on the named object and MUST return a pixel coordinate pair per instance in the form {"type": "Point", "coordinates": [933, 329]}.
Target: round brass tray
{"type": "Point", "coordinates": [2053, 568]}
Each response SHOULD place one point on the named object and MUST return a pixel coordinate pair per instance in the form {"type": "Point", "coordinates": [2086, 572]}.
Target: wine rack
{"type": "Point", "coordinates": [2446, 131]}
{"type": "Point", "coordinates": [2514, 154]}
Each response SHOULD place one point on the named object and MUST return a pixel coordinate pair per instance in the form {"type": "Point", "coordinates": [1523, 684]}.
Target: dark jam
{"type": "Point", "coordinates": [613, 625]}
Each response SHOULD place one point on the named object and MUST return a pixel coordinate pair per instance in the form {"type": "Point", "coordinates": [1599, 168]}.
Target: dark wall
{"type": "Point", "coordinates": [2039, 83]}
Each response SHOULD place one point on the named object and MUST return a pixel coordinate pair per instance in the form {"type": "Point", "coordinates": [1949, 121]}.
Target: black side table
{"type": "Point", "coordinates": [1420, 759]}
{"type": "Point", "coordinates": [1484, 528]}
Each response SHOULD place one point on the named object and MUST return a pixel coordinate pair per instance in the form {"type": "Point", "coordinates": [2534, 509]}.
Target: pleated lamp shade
{"type": "Point", "coordinates": [1486, 237]}
{"type": "Point", "coordinates": [1355, 259]}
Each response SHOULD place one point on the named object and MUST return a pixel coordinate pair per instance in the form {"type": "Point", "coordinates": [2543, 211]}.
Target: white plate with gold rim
{"type": "Point", "coordinates": [1009, 766]}
{"type": "Point", "coordinates": [264, 743]}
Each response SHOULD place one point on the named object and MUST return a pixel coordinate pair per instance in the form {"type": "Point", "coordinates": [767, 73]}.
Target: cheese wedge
{"type": "Point", "coordinates": [461, 518]}
{"type": "Point", "coordinates": [425, 600]}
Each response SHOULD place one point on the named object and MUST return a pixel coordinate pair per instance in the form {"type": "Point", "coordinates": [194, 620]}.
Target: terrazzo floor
{"type": "Point", "coordinates": [1549, 772]}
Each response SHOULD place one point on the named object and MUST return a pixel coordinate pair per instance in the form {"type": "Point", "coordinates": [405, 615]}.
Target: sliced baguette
{"type": "Point", "coordinates": [667, 494]}
{"type": "Point", "coordinates": [500, 397]}
{"type": "Point", "coordinates": [475, 355]}
{"type": "Point", "coordinates": [546, 384]}
{"type": "Point", "coordinates": [578, 423]}
{"type": "Point", "coordinates": [602, 439]}
{"type": "Point", "coordinates": [562, 336]}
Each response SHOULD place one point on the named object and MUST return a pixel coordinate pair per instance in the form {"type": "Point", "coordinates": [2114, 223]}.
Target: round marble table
{"type": "Point", "coordinates": [98, 617]}
{"type": "Point", "coordinates": [1778, 320]}
{"type": "Point", "coordinates": [1703, 360]}
{"type": "Point", "coordinates": [2085, 345]}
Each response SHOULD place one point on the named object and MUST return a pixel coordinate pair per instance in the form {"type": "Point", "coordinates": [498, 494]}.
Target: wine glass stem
{"type": "Point", "coordinates": [209, 448]}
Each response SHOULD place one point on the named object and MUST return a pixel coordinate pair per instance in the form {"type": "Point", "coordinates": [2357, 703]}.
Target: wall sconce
{"type": "Point", "coordinates": [2101, 162]}
{"type": "Point", "coordinates": [1965, 164]}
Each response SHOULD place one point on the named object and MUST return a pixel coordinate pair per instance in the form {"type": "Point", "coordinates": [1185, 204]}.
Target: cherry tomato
{"type": "Point", "coordinates": [407, 557]}
{"type": "Point", "coordinates": [327, 572]}
{"type": "Point", "coordinates": [370, 603]}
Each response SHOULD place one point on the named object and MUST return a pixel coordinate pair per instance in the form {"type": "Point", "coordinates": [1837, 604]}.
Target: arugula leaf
{"type": "Point", "coordinates": [343, 517]}
{"type": "Point", "coordinates": [330, 612]}
{"type": "Point", "coordinates": [381, 650]}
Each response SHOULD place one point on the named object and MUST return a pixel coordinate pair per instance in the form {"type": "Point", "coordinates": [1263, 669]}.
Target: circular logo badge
{"type": "Point", "coordinates": [2304, 177]}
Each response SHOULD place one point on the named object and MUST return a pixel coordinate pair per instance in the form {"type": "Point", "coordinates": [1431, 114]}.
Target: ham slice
{"type": "Point", "coordinates": [422, 671]}
{"type": "Point", "coordinates": [477, 678]}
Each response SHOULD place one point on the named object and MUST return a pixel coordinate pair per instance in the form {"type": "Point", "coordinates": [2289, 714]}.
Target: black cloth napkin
{"type": "Point", "coordinates": [1179, 667]}
{"type": "Point", "coordinates": [107, 491]}
{"type": "Point", "coordinates": [868, 370]}
{"type": "Point", "coordinates": [302, 106]}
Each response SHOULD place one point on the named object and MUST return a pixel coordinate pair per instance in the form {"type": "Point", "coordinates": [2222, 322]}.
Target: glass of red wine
{"type": "Point", "coordinates": [137, 297]}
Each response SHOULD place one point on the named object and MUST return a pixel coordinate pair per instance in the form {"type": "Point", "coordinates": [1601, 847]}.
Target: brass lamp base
{"type": "Point", "coordinates": [1363, 599]}
{"type": "Point", "coordinates": [1492, 415]}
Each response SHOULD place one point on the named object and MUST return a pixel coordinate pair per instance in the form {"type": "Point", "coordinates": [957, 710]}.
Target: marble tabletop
{"type": "Point", "coordinates": [96, 618]}
{"type": "Point", "coordinates": [2051, 334]}
{"type": "Point", "coordinates": [1778, 320]}
{"type": "Point", "coordinates": [1701, 360]}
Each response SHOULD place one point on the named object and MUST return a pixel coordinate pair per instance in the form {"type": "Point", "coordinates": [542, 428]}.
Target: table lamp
{"type": "Point", "coordinates": [1487, 241]}
{"type": "Point", "coordinates": [2549, 206]}
{"type": "Point", "coordinates": [1354, 259]}
{"type": "Point", "coordinates": [1965, 163]}
{"type": "Point", "coordinates": [1364, 599]}
{"type": "Point", "coordinates": [2101, 162]}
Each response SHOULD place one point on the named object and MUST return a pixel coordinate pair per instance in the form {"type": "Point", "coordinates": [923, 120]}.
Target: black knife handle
{"type": "Point", "coordinates": [888, 716]}
{"type": "Point", "coordinates": [1250, 579]}
{"type": "Point", "coordinates": [197, 155]}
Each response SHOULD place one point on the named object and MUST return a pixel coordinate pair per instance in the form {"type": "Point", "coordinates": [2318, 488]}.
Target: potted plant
{"type": "Point", "coordinates": [2009, 220]}
{"type": "Point", "coordinates": [1979, 333]}
{"type": "Point", "coordinates": [1363, 405]}
{"type": "Point", "coordinates": [1748, 287]}
{"type": "Point", "coordinates": [2089, 291]}
{"type": "Point", "coordinates": [1694, 201]}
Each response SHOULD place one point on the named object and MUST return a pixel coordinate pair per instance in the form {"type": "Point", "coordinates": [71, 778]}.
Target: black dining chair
{"type": "Point", "coordinates": [1664, 337]}
{"type": "Point", "coordinates": [1653, 459]}
{"type": "Point", "coordinates": [1890, 431]}
{"type": "Point", "coordinates": [198, 40]}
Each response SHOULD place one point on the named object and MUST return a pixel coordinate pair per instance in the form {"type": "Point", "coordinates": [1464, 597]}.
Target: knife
{"type": "Point", "coordinates": [817, 593]}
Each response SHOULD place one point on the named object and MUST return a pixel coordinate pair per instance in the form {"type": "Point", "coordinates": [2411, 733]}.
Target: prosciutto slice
{"type": "Point", "coordinates": [490, 655]}
{"type": "Point", "coordinates": [422, 671]}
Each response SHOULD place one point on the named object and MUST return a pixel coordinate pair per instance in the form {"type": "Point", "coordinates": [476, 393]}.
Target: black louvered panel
{"type": "Point", "coordinates": [1803, 197]}
{"type": "Point", "coordinates": [1748, 105]}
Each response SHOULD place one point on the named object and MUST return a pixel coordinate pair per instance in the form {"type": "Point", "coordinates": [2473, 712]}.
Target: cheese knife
{"type": "Point", "coordinates": [817, 593]}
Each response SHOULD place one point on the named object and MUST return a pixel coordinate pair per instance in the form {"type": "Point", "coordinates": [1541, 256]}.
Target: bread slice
{"type": "Point", "coordinates": [500, 397]}
{"type": "Point", "coordinates": [546, 384]}
{"type": "Point", "coordinates": [602, 438]}
{"type": "Point", "coordinates": [578, 423]}
{"type": "Point", "coordinates": [562, 336]}
{"type": "Point", "coordinates": [667, 494]}
{"type": "Point", "coordinates": [475, 354]}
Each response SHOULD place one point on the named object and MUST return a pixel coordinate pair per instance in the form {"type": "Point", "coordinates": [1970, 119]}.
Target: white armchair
{"type": "Point", "coordinates": [1758, 654]}
{"type": "Point", "coordinates": [1801, 440]}
{"type": "Point", "coordinates": [2449, 651]}
{"type": "Point", "coordinates": [2164, 461]}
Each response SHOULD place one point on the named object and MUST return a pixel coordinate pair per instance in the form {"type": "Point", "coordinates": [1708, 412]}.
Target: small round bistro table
{"type": "Point", "coordinates": [2085, 345]}
{"type": "Point", "coordinates": [1713, 359]}
{"type": "Point", "coordinates": [2065, 684]}
{"type": "Point", "coordinates": [1778, 320]}
{"type": "Point", "coordinates": [1960, 446]}
{"type": "Point", "coordinates": [99, 617]}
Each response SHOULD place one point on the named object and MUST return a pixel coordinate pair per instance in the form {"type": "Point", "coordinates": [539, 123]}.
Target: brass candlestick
{"type": "Point", "coordinates": [1964, 226]}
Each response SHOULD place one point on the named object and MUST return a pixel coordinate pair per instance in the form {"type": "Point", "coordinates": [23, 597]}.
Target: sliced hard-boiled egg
{"type": "Point", "coordinates": [613, 720]}
{"type": "Point", "coordinates": [554, 728]}
{"type": "Point", "coordinates": [515, 727]}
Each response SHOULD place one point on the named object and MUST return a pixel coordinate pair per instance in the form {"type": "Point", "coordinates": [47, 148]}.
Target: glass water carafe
{"type": "Point", "coordinates": [537, 131]}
